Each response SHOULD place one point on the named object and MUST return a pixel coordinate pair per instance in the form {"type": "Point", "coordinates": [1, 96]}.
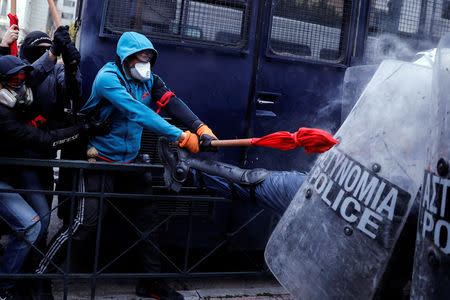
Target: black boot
{"type": "Point", "coordinates": [173, 158]}
{"type": "Point", "coordinates": [156, 289]}
{"type": "Point", "coordinates": [178, 162]}
{"type": "Point", "coordinates": [36, 288]}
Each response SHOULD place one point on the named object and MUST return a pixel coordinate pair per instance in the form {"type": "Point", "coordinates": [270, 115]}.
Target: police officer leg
{"type": "Point", "coordinates": [178, 163]}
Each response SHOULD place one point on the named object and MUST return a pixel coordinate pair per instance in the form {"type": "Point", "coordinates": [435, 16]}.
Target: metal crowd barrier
{"type": "Point", "coordinates": [187, 270]}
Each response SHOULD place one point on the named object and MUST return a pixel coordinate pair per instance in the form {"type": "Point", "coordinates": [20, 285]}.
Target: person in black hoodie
{"type": "Point", "coordinates": [57, 87]}
{"type": "Point", "coordinates": [27, 215]}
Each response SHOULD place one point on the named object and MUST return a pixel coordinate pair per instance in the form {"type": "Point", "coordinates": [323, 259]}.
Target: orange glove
{"type": "Point", "coordinates": [206, 136]}
{"type": "Point", "coordinates": [203, 129]}
{"type": "Point", "coordinates": [190, 142]}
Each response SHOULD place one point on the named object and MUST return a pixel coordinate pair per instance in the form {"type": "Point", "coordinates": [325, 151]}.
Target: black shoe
{"type": "Point", "coordinates": [156, 289]}
{"type": "Point", "coordinates": [175, 169]}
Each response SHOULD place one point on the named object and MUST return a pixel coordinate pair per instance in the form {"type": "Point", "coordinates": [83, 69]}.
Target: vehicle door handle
{"type": "Point", "coordinates": [265, 103]}
{"type": "Point", "coordinates": [259, 101]}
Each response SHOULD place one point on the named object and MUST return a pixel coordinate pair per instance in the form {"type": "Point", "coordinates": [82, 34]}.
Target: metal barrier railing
{"type": "Point", "coordinates": [187, 270]}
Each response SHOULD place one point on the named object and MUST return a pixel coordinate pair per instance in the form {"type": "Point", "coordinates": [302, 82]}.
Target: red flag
{"type": "Point", "coordinates": [13, 20]}
{"type": "Point", "coordinates": [312, 139]}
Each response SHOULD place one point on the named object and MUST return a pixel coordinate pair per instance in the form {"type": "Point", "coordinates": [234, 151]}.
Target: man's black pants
{"type": "Point", "coordinates": [142, 212]}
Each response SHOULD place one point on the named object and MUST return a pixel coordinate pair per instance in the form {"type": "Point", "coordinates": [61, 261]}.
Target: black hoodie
{"type": "Point", "coordinates": [30, 49]}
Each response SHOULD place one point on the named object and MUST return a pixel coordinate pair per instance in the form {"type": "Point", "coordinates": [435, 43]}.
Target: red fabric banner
{"type": "Point", "coordinates": [13, 20]}
{"type": "Point", "coordinates": [312, 139]}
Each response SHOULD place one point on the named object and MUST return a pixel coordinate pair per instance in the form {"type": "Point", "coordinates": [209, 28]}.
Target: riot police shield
{"type": "Point", "coordinates": [431, 274]}
{"type": "Point", "coordinates": [355, 81]}
{"type": "Point", "coordinates": [335, 238]}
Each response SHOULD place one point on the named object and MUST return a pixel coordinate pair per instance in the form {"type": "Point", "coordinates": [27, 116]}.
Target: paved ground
{"type": "Point", "coordinates": [192, 289]}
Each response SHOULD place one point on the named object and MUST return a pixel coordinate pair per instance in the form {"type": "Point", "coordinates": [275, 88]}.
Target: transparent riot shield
{"type": "Point", "coordinates": [355, 81]}
{"type": "Point", "coordinates": [431, 274]}
{"type": "Point", "coordinates": [335, 238]}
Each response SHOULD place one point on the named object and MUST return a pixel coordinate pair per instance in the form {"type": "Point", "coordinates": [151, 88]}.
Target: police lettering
{"type": "Point", "coordinates": [353, 192]}
{"type": "Point", "coordinates": [435, 219]}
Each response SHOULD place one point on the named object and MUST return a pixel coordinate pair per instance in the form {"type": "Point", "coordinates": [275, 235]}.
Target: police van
{"type": "Point", "coordinates": [248, 68]}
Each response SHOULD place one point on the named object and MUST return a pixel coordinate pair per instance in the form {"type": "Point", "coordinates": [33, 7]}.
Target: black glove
{"type": "Point", "coordinates": [71, 57]}
{"type": "Point", "coordinates": [60, 39]}
{"type": "Point", "coordinates": [205, 143]}
{"type": "Point", "coordinates": [92, 127]}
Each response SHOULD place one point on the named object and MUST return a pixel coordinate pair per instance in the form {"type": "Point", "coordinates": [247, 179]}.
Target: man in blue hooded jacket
{"type": "Point", "coordinates": [129, 86]}
{"type": "Point", "coordinates": [123, 92]}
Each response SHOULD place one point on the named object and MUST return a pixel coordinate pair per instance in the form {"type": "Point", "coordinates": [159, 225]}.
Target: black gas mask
{"type": "Point", "coordinates": [15, 92]}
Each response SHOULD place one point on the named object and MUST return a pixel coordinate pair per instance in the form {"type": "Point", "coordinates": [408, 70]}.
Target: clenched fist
{"type": "Point", "coordinates": [11, 35]}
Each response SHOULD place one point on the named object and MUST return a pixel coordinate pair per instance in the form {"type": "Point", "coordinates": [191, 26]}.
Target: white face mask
{"type": "Point", "coordinates": [22, 97]}
{"type": "Point", "coordinates": [141, 71]}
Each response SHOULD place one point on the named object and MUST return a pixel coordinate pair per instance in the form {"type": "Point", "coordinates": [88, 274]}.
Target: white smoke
{"type": "Point", "coordinates": [390, 46]}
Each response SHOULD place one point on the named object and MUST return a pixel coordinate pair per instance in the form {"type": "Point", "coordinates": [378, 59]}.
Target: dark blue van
{"type": "Point", "coordinates": [252, 67]}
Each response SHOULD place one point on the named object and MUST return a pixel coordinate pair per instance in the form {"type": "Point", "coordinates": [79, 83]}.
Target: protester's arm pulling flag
{"type": "Point", "coordinates": [13, 20]}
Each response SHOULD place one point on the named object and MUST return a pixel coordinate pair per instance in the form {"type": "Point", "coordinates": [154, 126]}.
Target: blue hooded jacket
{"type": "Point", "coordinates": [129, 110]}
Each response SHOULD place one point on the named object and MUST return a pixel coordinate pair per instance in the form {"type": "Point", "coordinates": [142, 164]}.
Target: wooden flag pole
{"type": "Point", "coordinates": [13, 7]}
{"type": "Point", "coordinates": [225, 143]}
{"type": "Point", "coordinates": [54, 12]}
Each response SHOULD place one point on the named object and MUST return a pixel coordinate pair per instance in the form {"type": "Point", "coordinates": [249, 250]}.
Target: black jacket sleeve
{"type": "Point", "coordinates": [16, 133]}
{"type": "Point", "coordinates": [175, 108]}
{"type": "Point", "coordinates": [5, 51]}
{"type": "Point", "coordinates": [69, 86]}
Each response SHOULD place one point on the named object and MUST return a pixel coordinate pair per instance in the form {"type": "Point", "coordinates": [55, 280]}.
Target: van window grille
{"type": "Point", "coordinates": [223, 22]}
{"type": "Point", "coordinates": [401, 28]}
{"type": "Point", "coordinates": [310, 28]}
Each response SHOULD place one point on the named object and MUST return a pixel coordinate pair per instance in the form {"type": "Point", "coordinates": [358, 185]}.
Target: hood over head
{"type": "Point", "coordinates": [30, 49]}
{"type": "Point", "coordinates": [10, 64]}
{"type": "Point", "coordinates": [133, 42]}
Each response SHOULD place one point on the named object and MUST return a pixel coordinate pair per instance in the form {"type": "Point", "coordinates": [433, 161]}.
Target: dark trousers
{"type": "Point", "coordinates": [141, 212]}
